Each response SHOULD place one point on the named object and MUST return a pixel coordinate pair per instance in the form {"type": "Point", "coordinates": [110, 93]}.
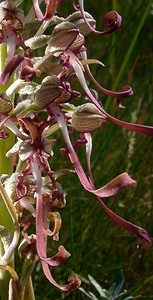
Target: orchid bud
{"type": "Point", "coordinates": [5, 104]}
{"type": "Point", "coordinates": [62, 38]}
{"type": "Point", "coordinates": [87, 118]}
{"type": "Point", "coordinates": [48, 91]}
{"type": "Point", "coordinates": [52, 89]}
{"type": "Point", "coordinates": [78, 21]}
{"type": "Point", "coordinates": [11, 16]}
{"type": "Point", "coordinates": [37, 42]}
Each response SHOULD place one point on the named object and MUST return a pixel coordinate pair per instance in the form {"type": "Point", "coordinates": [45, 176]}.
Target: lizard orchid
{"type": "Point", "coordinates": [47, 60]}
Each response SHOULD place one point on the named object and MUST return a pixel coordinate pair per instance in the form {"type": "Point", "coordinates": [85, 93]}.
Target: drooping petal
{"type": "Point", "coordinates": [128, 226]}
{"type": "Point", "coordinates": [125, 91]}
{"type": "Point", "coordinates": [41, 241]}
{"type": "Point", "coordinates": [73, 279]}
{"type": "Point", "coordinates": [110, 189]}
{"type": "Point", "coordinates": [140, 129]}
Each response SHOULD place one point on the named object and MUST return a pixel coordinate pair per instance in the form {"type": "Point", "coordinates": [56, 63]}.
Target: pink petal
{"type": "Point", "coordinates": [59, 258]}
{"type": "Point", "coordinates": [128, 226]}
{"type": "Point", "coordinates": [50, 9]}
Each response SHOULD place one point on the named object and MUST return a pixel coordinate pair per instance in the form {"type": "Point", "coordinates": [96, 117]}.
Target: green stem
{"type": "Point", "coordinates": [5, 168]}
{"type": "Point", "coordinates": [27, 292]}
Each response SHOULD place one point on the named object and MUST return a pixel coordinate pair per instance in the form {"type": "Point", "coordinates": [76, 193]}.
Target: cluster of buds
{"type": "Point", "coordinates": [46, 102]}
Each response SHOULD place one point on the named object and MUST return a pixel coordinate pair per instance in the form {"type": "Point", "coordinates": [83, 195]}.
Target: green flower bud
{"type": "Point", "coordinates": [87, 118]}
{"type": "Point", "coordinates": [51, 90]}
{"type": "Point", "coordinates": [78, 21]}
{"type": "Point", "coordinates": [62, 38]}
{"type": "Point", "coordinates": [48, 91]}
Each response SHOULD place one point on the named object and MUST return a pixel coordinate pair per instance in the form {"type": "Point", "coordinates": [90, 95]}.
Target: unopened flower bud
{"type": "Point", "coordinates": [5, 104]}
{"type": "Point", "coordinates": [78, 21]}
{"type": "Point", "coordinates": [62, 38]}
{"type": "Point", "coordinates": [52, 89]}
{"type": "Point", "coordinates": [48, 91]}
{"type": "Point", "coordinates": [87, 118]}
{"type": "Point", "coordinates": [37, 42]}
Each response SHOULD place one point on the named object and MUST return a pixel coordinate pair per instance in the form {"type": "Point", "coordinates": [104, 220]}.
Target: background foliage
{"type": "Point", "coordinates": [99, 247]}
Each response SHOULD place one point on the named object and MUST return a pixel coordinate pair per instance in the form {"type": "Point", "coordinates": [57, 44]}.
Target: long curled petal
{"type": "Point", "coordinates": [111, 188]}
{"type": "Point", "coordinates": [108, 190]}
{"type": "Point", "coordinates": [140, 129]}
{"type": "Point", "coordinates": [41, 241]}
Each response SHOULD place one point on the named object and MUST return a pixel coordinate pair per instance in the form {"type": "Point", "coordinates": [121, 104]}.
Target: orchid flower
{"type": "Point", "coordinates": [11, 23]}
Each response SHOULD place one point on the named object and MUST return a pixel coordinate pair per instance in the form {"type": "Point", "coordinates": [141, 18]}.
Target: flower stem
{"type": "Point", "coordinates": [6, 167]}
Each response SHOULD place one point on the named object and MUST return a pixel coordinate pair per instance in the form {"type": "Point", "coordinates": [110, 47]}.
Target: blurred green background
{"type": "Point", "coordinates": [98, 246]}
